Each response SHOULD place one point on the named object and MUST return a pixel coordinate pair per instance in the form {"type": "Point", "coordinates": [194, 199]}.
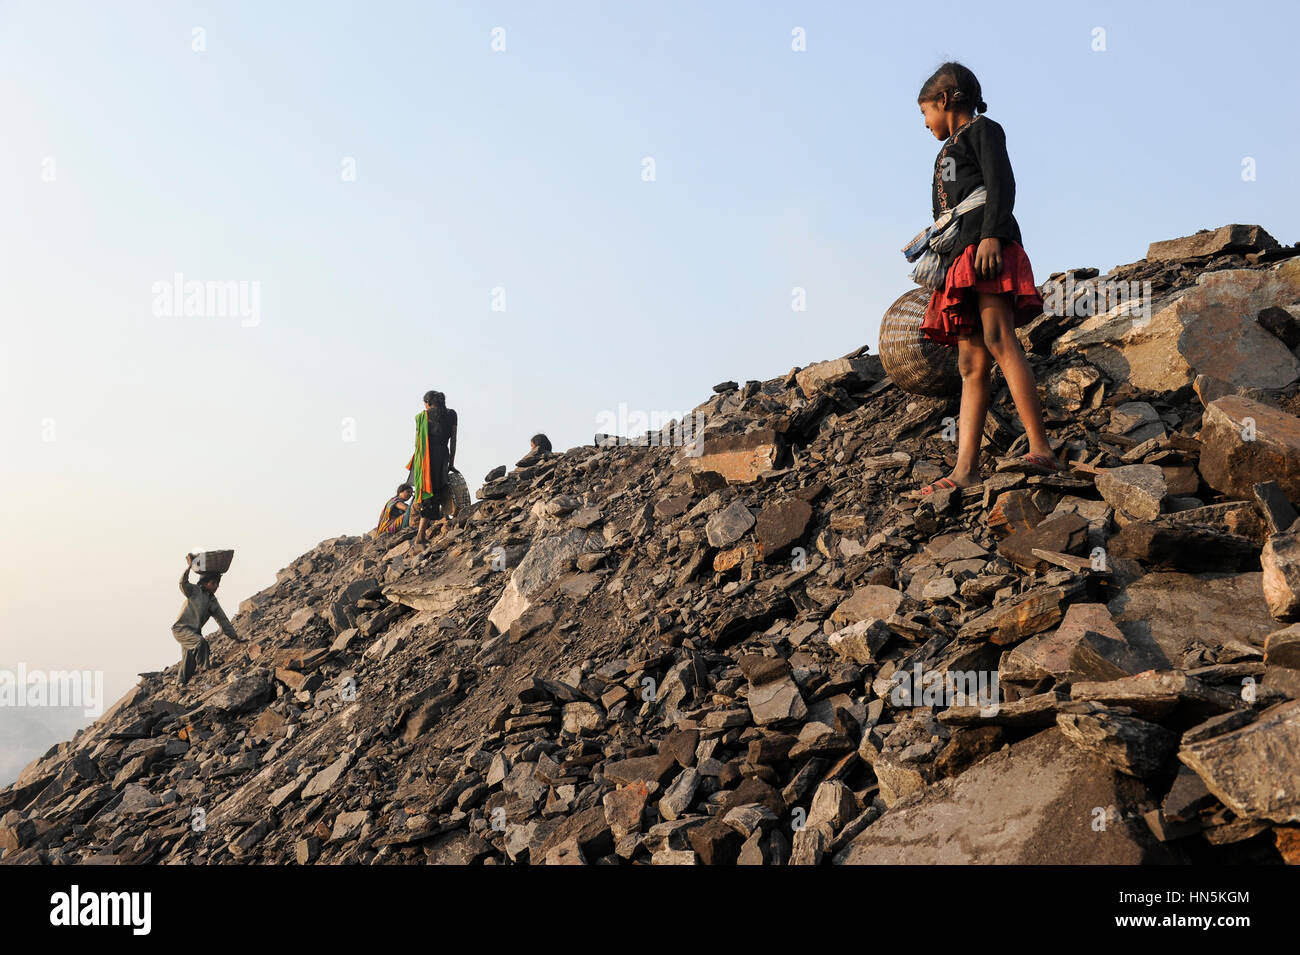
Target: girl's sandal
{"type": "Point", "coordinates": [1047, 462]}
{"type": "Point", "coordinates": [943, 484]}
{"type": "Point", "coordinates": [1032, 464]}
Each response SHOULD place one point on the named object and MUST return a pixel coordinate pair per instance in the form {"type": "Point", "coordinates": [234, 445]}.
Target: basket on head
{"type": "Point", "coordinates": [913, 362]}
{"type": "Point", "coordinates": [213, 561]}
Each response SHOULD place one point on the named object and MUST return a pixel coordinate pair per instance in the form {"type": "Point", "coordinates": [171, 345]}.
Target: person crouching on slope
{"type": "Point", "coordinates": [200, 604]}
{"type": "Point", "coordinates": [396, 512]}
{"type": "Point", "coordinates": [989, 288]}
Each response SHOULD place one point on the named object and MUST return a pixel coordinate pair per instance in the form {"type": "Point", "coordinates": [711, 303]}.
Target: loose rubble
{"type": "Point", "coordinates": [753, 649]}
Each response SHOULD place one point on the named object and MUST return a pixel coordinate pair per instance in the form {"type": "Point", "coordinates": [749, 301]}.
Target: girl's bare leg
{"type": "Point", "coordinates": [1001, 342]}
{"type": "Point", "coordinates": [973, 364]}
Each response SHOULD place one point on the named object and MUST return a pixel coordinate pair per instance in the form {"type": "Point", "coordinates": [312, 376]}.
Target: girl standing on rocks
{"type": "Point", "coordinates": [989, 287]}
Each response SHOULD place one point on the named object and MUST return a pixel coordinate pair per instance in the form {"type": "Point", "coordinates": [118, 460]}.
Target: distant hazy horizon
{"type": "Point", "coordinates": [545, 211]}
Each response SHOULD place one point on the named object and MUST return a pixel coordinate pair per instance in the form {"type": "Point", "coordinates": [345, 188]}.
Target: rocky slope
{"type": "Point", "coordinates": [764, 653]}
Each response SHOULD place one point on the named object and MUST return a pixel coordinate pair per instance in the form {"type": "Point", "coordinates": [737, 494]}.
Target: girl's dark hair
{"type": "Point", "coordinates": [961, 85]}
{"type": "Point", "coordinates": [404, 487]}
{"type": "Point", "coordinates": [542, 443]}
{"type": "Point", "coordinates": [204, 578]}
{"type": "Point", "coordinates": [438, 413]}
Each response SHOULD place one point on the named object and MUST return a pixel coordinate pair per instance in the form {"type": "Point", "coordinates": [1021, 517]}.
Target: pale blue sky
{"type": "Point", "coordinates": [520, 170]}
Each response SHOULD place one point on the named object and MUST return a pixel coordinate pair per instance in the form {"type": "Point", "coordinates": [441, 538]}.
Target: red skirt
{"type": "Point", "coordinates": [953, 312]}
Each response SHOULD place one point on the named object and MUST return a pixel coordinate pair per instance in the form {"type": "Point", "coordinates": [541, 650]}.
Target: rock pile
{"type": "Point", "coordinates": [755, 649]}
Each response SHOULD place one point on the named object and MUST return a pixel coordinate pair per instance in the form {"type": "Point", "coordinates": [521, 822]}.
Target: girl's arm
{"type": "Point", "coordinates": [989, 143]}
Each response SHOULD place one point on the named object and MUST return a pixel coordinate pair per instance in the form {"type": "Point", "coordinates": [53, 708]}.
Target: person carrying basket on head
{"type": "Point", "coordinates": [200, 604]}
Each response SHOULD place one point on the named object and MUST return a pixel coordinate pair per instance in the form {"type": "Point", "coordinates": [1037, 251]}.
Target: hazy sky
{"type": "Point", "coordinates": [384, 180]}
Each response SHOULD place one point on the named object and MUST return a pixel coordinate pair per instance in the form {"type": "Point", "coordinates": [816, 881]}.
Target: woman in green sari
{"type": "Point", "coordinates": [435, 454]}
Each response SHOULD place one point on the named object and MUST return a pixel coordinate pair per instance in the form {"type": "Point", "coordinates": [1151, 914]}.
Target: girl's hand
{"type": "Point", "coordinates": [988, 258]}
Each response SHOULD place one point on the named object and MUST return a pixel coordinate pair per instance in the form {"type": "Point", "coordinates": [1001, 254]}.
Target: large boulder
{"type": "Point", "coordinates": [1169, 697]}
{"type": "Point", "coordinates": [1226, 238]}
{"type": "Point", "coordinates": [546, 562]}
{"type": "Point", "coordinates": [1042, 801]}
{"type": "Point", "coordinates": [1088, 645]}
{"type": "Point", "coordinates": [1244, 443]}
{"type": "Point", "coordinates": [1134, 747]}
{"type": "Point", "coordinates": [848, 373]}
{"type": "Point", "coordinates": [246, 691]}
{"type": "Point", "coordinates": [739, 458]}
{"type": "Point", "coordinates": [1186, 613]}
{"type": "Point", "coordinates": [1208, 329]}
{"type": "Point", "coordinates": [437, 595]}
{"type": "Point", "coordinates": [1254, 770]}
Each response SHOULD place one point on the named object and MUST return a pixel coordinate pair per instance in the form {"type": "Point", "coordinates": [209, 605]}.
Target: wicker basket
{"type": "Point", "coordinates": [213, 561]}
{"type": "Point", "coordinates": [913, 362]}
{"type": "Point", "coordinates": [455, 495]}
